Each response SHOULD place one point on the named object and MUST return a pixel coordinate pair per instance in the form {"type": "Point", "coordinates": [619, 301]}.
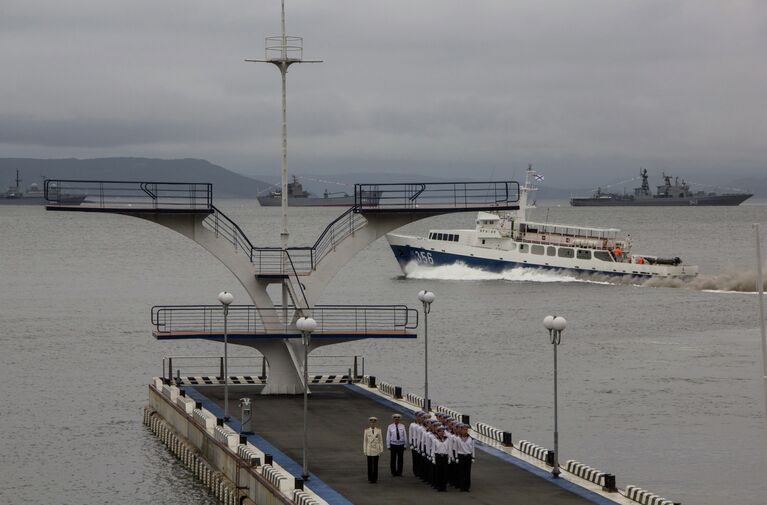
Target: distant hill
{"type": "Point", "coordinates": [225, 182]}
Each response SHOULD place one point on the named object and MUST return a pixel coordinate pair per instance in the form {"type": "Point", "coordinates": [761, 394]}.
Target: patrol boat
{"type": "Point", "coordinates": [505, 240]}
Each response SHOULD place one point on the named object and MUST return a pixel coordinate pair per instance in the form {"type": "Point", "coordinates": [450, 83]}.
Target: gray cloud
{"type": "Point", "coordinates": [440, 85]}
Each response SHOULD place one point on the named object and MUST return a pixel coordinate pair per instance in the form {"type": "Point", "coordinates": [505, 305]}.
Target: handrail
{"type": "Point", "coordinates": [249, 319]}
{"type": "Point", "coordinates": [129, 195]}
{"type": "Point", "coordinates": [234, 232]}
{"type": "Point", "coordinates": [406, 197]}
{"type": "Point", "coordinates": [255, 365]}
{"type": "Point", "coordinates": [143, 185]}
{"type": "Point", "coordinates": [295, 275]}
{"type": "Point", "coordinates": [418, 193]}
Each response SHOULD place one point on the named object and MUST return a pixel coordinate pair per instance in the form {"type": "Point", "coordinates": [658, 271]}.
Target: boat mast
{"type": "Point", "coordinates": [523, 191]}
{"type": "Point", "coordinates": [283, 51]}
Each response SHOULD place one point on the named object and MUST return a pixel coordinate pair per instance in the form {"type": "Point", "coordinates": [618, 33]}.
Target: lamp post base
{"type": "Point", "coordinates": [555, 473]}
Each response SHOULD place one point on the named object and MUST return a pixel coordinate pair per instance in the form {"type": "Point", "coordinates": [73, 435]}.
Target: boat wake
{"type": "Point", "coordinates": [463, 272]}
{"type": "Point", "coordinates": [729, 281]}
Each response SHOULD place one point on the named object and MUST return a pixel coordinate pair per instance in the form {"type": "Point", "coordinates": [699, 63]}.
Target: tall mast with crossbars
{"type": "Point", "coordinates": [283, 51]}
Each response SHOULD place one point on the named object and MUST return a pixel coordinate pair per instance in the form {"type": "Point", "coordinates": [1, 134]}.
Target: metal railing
{"type": "Point", "coordinates": [298, 260]}
{"type": "Point", "coordinates": [291, 47]}
{"type": "Point", "coordinates": [342, 227]}
{"type": "Point", "coordinates": [256, 366]}
{"type": "Point", "coordinates": [213, 366]}
{"type": "Point", "coordinates": [126, 195]}
{"type": "Point", "coordinates": [435, 195]}
{"type": "Point", "coordinates": [249, 320]}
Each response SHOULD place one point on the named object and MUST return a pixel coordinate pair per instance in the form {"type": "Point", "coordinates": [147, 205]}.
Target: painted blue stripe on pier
{"type": "Point", "coordinates": [317, 485]}
{"type": "Point", "coordinates": [539, 472]}
{"type": "Point", "coordinates": [546, 475]}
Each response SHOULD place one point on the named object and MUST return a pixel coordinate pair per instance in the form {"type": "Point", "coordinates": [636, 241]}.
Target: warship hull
{"type": "Point", "coordinates": [689, 201]}
{"type": "Point", "coordinates": [271, 201]}
{"type": "Point", "coordinates": [39, 200]}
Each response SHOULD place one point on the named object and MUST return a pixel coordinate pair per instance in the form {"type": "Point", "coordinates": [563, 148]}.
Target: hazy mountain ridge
{"type": "Point", "coordinates": [225, 182]}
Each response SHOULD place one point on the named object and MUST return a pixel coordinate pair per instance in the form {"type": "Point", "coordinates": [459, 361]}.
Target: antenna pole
{"type": "Point", "coordinates": [282, 55]}
{"type": "Point", "coordinates": [284, 164]}
{"type": "Point", "coordinates": [760, 290]}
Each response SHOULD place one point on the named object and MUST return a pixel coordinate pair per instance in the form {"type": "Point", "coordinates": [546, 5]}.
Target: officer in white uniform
{"type": "Point", "coordinates": [372, 446]}
{"type": "Point", "coordinates": [396, 441]}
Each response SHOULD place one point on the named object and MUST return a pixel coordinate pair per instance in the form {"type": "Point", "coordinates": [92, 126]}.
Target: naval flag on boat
{"type": "Point", "coordinates": [538, 177]}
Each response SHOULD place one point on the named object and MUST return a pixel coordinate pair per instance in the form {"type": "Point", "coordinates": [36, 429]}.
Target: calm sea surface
{"type": "Point", "coordinates": [660, 386]}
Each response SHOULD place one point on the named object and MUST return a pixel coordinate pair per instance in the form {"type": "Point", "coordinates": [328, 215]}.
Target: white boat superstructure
{"type": "Point", "coordinates": [505, 240]}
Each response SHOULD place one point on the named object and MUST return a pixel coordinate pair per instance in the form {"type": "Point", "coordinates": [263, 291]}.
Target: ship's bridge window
{"type": "Point", "coordinates": [523, 248]}
{"type": "Point", "coordinates": [432, 235]}
{"type": "Point", "coordinates": [439, 236]}
{"type": "Point", "coordinates": [455, 238]}
{"type": "Point", "coordinates": [566, 252]}
{"type": "Point", "coordinates": [584, 254]}
{"type": "Point", "coordinates": [602, 255]}
{"type": "Point", "coordinates": [551, 251]}
{"type": "Point", "coordinates": [537, 249]}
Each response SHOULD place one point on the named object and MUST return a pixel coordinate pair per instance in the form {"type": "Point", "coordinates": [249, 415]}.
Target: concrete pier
{"type": "Point", "coordinates": [337, 416]}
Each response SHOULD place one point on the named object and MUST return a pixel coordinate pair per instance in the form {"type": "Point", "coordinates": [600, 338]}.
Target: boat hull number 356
{"type": "Point", "coordinates": [423, 257]}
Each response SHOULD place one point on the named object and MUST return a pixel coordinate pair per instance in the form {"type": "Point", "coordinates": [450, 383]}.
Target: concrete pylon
{"type": "Point", "coordinates": [285, 357]}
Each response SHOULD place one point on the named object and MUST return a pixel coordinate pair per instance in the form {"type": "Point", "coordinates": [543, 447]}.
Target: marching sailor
{"type": "Point", "coordinates": [465, 450]}
{"type": "Point", "coordinates": [413, 436]}
{"type": "Point", "coordinates": [439, 452]}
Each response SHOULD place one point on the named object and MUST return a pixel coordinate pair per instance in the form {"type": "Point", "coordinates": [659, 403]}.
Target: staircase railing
{"type": "Point", "coordinates": [342, 227]}
{"type": "Point", "coordinates": [275, 260]}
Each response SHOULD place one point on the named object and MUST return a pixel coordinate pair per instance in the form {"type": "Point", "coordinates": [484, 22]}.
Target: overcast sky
{"type": "Point", "coordinates": [579, 88]}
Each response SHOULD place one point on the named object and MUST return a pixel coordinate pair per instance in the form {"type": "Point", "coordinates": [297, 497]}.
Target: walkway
{"type": "Point", "coordinates": [337, 416]}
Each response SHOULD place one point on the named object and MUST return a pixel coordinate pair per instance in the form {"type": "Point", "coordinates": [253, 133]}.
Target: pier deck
{"type": "Point", "coordinates": [337, 416]}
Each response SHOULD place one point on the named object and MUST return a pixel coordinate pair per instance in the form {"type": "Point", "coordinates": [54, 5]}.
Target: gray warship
{"type": "Point", "coordinates": [15, 195]}
{"type": "Point", "coordinates": [676, 193]}
{"type": "Point", "coordinates": [298, 197]}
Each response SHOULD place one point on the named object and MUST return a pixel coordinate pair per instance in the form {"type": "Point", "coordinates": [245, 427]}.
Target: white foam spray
{"type": "Point", "coordinates": [729, 281]}
{"type": "Point", "coordinates": [462, 272]}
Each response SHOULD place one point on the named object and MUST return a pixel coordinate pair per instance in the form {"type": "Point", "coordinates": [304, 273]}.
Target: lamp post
{"type": "Point", "coordinates": [226, 299]}
{"type": "Point", "coordinates": [426, 298]}
{"type": "Point", "coordinates": [556, 325]}
{"type": "Point", "coordinates": [306, 325]}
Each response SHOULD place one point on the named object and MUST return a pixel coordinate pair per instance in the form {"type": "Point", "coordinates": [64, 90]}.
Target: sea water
{"type": "Point", "coordinates": [659, 384]}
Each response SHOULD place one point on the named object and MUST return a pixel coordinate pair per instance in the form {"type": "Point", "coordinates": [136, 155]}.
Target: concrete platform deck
{"type": "Point", "coordinates": [337, 417]}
